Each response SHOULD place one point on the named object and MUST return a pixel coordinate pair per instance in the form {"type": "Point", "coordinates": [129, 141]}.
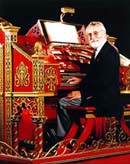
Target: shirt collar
{"type": "Point", "coordinates": [100, 47]}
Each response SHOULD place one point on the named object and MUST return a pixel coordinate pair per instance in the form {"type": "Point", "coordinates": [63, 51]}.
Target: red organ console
{"type": "Point", "coordinates": [34, 70]}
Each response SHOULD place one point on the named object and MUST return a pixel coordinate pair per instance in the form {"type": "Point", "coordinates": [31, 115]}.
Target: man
{"type": "Point", "coordinates": [100, 88]}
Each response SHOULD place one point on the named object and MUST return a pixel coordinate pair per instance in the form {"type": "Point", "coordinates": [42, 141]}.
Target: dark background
{"type": "Point", "coordinates": [115, 14]}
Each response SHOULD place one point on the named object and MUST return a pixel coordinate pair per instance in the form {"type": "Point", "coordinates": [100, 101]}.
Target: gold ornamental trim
{"type": "Point", "coordinates": [51, 79]}
{"type": "Point", "coordinates": [19, 49]}
{"type": "Point", "coordinates": [52, 64]}
{"type": "Point", "coordinates": [29, 94]}
{"type": "Point", "coordinates": [7, 26]}
{"type": "Point", "coordinates": [126, 113]}
{"type": "Point", "coordinates": [1, 93]}
{"type": "Point", "coordinates": [125, 92]}
{"type": "Point", "coordinates": [22, 77]}
{"type": "Point", "coordinates": [90, 116]}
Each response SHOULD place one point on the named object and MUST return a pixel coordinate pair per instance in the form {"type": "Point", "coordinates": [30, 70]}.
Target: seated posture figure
{"type": "Point", "coordinates": [100, 88]}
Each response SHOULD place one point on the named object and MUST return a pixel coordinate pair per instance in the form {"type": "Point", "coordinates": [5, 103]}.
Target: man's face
{"type": "Point", "coordinates": [95, 37]}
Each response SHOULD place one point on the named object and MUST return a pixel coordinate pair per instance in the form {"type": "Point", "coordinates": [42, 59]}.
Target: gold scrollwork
{"type": "Point", "coordinates": [22, 77]}
{"type": "Point", "coordinates": [51, 78]}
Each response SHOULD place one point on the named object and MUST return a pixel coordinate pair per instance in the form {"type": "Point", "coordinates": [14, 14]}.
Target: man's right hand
{"type": "Point", "coordinates": [74, 80]}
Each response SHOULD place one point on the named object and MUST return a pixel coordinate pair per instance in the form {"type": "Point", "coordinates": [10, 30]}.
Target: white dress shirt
{"type": "Point", "coordinates": [99, 48]}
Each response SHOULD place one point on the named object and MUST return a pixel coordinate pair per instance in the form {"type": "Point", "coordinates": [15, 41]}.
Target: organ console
{"type": "Point", "coordinates": [34, 71]}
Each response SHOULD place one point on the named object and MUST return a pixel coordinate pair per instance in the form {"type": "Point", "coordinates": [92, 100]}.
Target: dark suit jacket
{"type": "Point", "coordinates": [101, 85]}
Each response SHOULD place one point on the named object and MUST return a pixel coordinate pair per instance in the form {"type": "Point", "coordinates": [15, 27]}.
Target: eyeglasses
{"type": "Point", "coordinates": [94, 33]}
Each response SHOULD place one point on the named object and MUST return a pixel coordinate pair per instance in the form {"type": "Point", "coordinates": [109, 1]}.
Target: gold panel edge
{"type": "Point", "coordinates": [125, 92]}
{"type": "Point", "coordinates": [29, 94]}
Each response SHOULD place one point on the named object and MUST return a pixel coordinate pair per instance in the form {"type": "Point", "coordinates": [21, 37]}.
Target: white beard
{"type": "Point", "coordinates": [95, 44]}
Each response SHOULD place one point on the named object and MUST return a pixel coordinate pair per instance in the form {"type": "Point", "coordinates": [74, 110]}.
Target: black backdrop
{"type": "Point", "coordinates": [115, 14]}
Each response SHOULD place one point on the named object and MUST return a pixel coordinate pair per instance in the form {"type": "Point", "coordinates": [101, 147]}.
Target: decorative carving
{"type": "Point", "coordinates": [39, 50]}
{"type": "Point", "coordinates": [15, 121]}
{"type": "Point", "coordinates": [1, 92]}
{"type": "Point", "coordinates": [4, 23]}
{"type": "Point", "coordinates": [50, 78]}
{"type": "Point", "coordinates": [38, 139]}
{"type": "Point", "coordinates": [8, 67]}
{"type": "Point", "coordinates": [11, 37]}
{"type": "Point", "coordinates": [38, 75]}
{"type": "Point", "coordinates": [7, 149]}
{"type": "Point", "coordinates": [22, 77]}
{"type": "Point", "coordinates": [30, 102]}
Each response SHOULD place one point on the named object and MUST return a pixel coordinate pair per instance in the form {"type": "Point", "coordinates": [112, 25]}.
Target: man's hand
{"type": "Point", "coordinates": [74, 95]}
{"type": "Point", "coordinates": [74, 80]}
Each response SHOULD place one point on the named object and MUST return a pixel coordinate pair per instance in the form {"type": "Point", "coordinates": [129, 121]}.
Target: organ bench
{"type": "Point", "coordinates": [90, 124]}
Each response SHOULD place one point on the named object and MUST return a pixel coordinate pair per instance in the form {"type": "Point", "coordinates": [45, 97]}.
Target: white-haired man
{"type": "Point", "coordinates": [100, 88]}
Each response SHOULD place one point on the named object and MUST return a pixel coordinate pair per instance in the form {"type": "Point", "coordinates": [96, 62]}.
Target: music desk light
{"type": "Point", "coordinates": [65, 10]}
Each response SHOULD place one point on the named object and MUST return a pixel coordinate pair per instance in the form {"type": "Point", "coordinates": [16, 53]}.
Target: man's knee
{"type": "Point", "coordinates": [63, 102]}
